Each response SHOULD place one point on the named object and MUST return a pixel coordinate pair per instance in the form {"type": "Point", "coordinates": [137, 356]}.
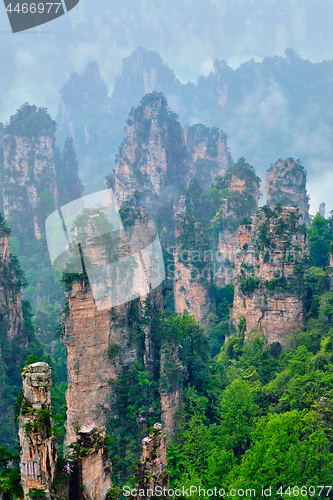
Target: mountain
{"type": "Point", "coordinates": [279, 107]}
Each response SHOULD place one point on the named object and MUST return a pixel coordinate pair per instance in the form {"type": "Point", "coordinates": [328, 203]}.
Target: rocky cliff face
{"type": "Point", "coordinates": [12, 322]}
{"type": "Point", "coordinates": [157, 156]}
{"type": "Point", "coordinates": [152, 469]}
{"type": "Point", "coordinates": [190, 286]}
{"type": "Point", "coordinates": [29, 171]}
{"type": "Point", "coordinates": [240, 201]}
{"type": "Point", "coordinates": [94, 465]}
{"type": "Point", "coordinates": [38, 445]}
{"type": "Point", "coordinates": [201, 257]}
{"type": "Point", "coordinates": [286, 184]}
{"type": "Point", "coordinates": [208, 153]}
{"type": "Point", "coordinates": [152, 156]}
{"type": "Point", "coordinates": [101, 344]}
{"type": "Point", "coordinates": [268, 291]}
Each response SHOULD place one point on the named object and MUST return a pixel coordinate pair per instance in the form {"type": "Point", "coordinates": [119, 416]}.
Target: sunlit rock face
{"type": "Point", "coordinates": [38, 445]}
{"type": "Point", "coordinates": [267, 283]}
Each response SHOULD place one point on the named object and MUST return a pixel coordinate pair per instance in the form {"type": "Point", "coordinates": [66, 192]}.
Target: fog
{"type": "Point", "coordinates": [189, 35]}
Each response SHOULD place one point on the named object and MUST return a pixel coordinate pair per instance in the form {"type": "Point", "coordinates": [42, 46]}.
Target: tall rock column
{"type": "Point", "coordinates": [286, 184]}
{"type": "Point", "coordinates": [29, 169]}
{"type": "Point", "coordinates": [268, 282]}
{"type": "Point", "coordinates": [240, 186]}
{"type": "Point", "coordinates": [38, 445]}
{"type": "Point", "coordinates": [152, 469]}
{"type": "Point", "coordinates": [209, 155]}
{"type": "Point", "coordinates": [190, 287]}
{"type": "Point", "coordinates": [99, 342]}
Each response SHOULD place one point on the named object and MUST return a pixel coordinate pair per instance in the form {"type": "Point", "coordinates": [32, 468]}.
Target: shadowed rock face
{"type": "Point", "coordinates": [11, 317]}
{"type": "Point", "coordinates": [38, 445]}
{"type": "Point", "coordinates": [267, 292]}
{"type": "Point", "coordinates": [286, 184]}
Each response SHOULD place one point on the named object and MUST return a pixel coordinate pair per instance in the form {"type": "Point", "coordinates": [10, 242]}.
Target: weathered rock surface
{"type": "Point", "coordinates": [286, 184]}
{"type": "Point", "coordinates": [95, 467]}
{"type": "Point", "coordinates": [267, 291]}
{"type": "Point", "coordinates": [90, 333]}
{"type": "Point", "coordinates": [190, 288]}
{"type": "Point", "coordinates": [209, 155]}
{"type": "Point", "coordinates": [38, 445]}
{"type": "Point", "coordinates": [28, 170]}
{"type": "Point", "coordinates": [142, 160]}
{"type": "Point", "coordinates": [11, 315]}
{"type": "Point", "coordinates": [152, 470]}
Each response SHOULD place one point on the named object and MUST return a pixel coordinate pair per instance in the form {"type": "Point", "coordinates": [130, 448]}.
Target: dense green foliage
{"type": "Point", "coordinates": [137, 405]}
{"type": "Point", "coordinates": [319, 236]}
{"type": "Point", "coordinates": [272, 420]}
{"type": "Point", "coordinates": [30, 121]}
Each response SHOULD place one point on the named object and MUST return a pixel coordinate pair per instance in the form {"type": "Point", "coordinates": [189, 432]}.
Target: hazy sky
{"type": "Point", "coordinates": [188, 34]}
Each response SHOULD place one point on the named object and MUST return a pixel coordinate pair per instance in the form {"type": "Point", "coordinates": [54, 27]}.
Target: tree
{"type": "Point", "coordinates": [285, 453]}
{"type": "Point", "coordinates": [238, 412]}
{"type": "Point", "coordinates": [319, 237]}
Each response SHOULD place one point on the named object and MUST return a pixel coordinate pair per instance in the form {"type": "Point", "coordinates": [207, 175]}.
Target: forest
{"type": "Point", "coordinates": [254, 411]}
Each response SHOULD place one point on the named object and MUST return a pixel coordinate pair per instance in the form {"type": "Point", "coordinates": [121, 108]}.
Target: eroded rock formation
{"type": "Point", "coordinates": [99, 342]}
{"type": "Point", "coordinates": [94, 465]}
{"type": "Point", "coordinates": [240, 203]}
{"type": "Point", "coordinates": [286, 184]}
{"type": "Point", "coordinates": [152, 469]}
{"type": "Point", "coordinates": [38, 444]}
{"type": "Point", "coordinates": [190, 287]}
{"type": "Point", "coordinates": [267, 283]}
{"type": "Point", "coordinates": [208, 153]}
{"type": "Point", "coordinates": [29, 169]}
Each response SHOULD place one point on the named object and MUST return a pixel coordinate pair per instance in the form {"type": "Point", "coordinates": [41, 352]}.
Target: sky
{"type": "Point", "coordinates": [188, 34]}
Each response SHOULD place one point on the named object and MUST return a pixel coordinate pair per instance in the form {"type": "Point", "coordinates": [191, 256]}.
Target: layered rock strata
{"type": "Point", "coordinates": [286, 184]}
{"type": "Point", "coordinates": [267, 283]}
{"type": "Point", "coordinates": [38, 445]}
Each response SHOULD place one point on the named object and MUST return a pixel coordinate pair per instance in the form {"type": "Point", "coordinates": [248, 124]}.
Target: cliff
{"type": "Point", "coordinates": [209, 155]}
{"type": "Point", "coordinates": [35, 179]}
{"type": "Point", "coordinates": [190, 286]}
{"type": "Point", "coordinates": [286, 184]}
{"type": "Point", "coordinates": [38, 445]}
{"type": "Point", "coordinates": [152, 156]}
{"type": "Point", "coordinates": [29, 169]}
{"type": "Point", "coordinates": [207, 240]}
{"type": "Point", "coordinates": [268, 273]}
{"type": "Point", "coordinates": [32, 171]}
{"type": "Point", "coordinates": [152, 469]}
{"type": "Point", "coordinates": [17, 333]}
{"type": "Point", "coordinates": [240, 194]}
